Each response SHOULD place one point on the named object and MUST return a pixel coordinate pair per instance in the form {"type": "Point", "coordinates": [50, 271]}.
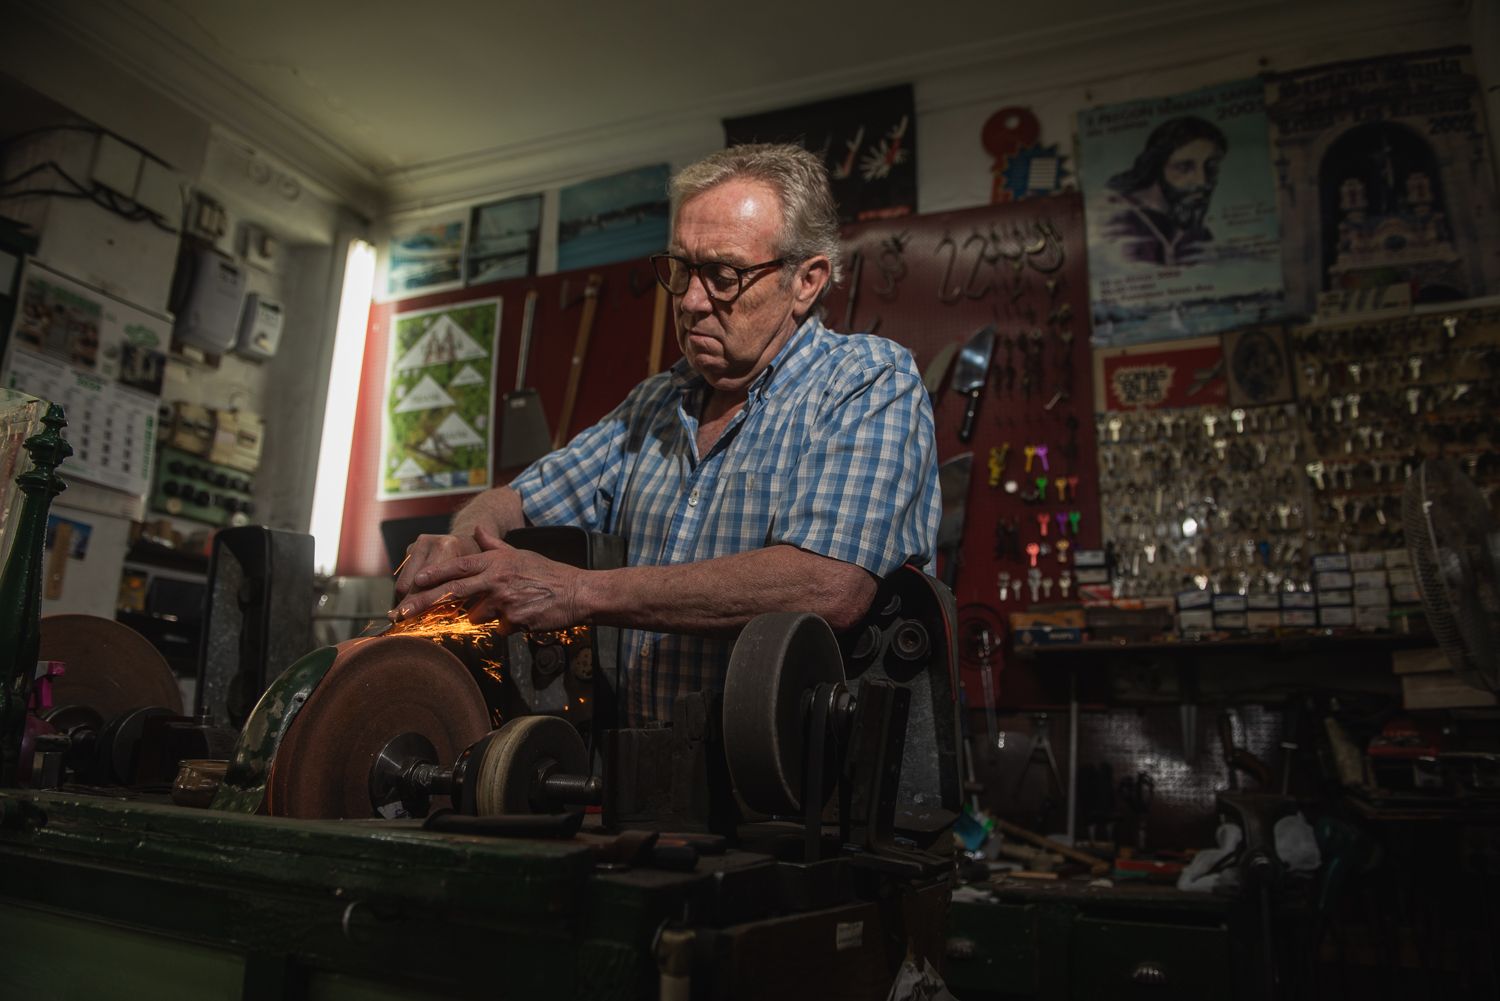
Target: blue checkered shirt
{"type": "Point", "coordinates": [833, 452]}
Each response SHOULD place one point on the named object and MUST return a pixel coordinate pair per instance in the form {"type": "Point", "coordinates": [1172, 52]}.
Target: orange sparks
{"type": "Point", "coordinates": [447, 619]}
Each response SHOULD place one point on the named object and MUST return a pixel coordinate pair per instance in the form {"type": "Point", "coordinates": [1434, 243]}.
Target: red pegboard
{"type": "Point", "coordinates": [898, 296]}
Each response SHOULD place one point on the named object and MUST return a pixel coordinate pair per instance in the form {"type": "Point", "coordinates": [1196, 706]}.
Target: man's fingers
{"type": "Point", "coordinates": [487, 539]}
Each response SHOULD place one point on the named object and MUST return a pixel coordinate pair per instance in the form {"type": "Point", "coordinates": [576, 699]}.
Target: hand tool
{"type": "Point", "coordinates": [1096, 867]}
{"type": "Point", "coordinates": [580, 348]}
{"type": "Point", "coordinates": [970, 374]}
{"type": "Point", "coordinates": [524, 437]}
{"type": "Point", "coordinates": [953, 486]}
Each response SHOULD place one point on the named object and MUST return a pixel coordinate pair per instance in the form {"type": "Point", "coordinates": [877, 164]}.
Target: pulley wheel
{"type": "Point", "coordinates": [111, 668]}
{"type": "Point", "coordinates": [777, 661]}
{"type": "Point", "coordinates": [376, 689]}
{"type": "Point", "coordinates": [512, 757]}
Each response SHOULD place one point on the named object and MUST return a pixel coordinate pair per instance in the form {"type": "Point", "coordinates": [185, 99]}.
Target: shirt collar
{"type": "Point", "coordinates": [794, 357]}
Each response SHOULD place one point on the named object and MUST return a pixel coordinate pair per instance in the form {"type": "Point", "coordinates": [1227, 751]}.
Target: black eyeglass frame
{"type": "Point", "coordinates": [691, 267]}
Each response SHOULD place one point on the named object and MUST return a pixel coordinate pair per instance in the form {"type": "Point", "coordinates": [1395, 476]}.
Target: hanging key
{"type": "Point", "coordinates": [1064, 582]}
{"type": "Point", "coordinates": [1041, 453]}
{"type": "Point", "coordinates": [1238, 416]}
{"type": "Point", "coordinates": [1073, 487]}
{"type": "Point", "coordinates": [1033, 550]}
{"type": "Point", "coordinates": [1413, 399]}
{"type": "Point", "coordinates": [1042, 521]}
{"type": "Point", "coordinates": [1041, 489]}
{"type": "Point", "coordinates": [995, 467]}
{"type": "Point", "coordinates": [1337, 406]}
{"type": "Point", "coordinates": [1061, 484]}
{"type": "Point", "coordinates": [1353, 400]}
{"type": "Point", "coordinates": [1074, 517]}
{"type": "Point", "coordinates": [1062, 521]}
{"type": "Point", "coordinates": [1114, 426]}
{"type": "Point", "coordinates": [1414, 363]}
{"type": "Point", "coordinates": [1316, 470]}
{"type": "Point", "coordinates": [1150, 550]}
{"type": "Point", "coordinates": [1261, 451]}
{"type": "Point", "coordinates": [1283, 512]}
{"type": "Point", "coordinates": [1354, 371]}
{"type": "Point", "coordinates": [1341, 505]}
{"type": "Point", "coordinates": [1221, 448]}
{"type": "Point", "coordinates": [1365, 435]}
{"type": "Point", "coordinates": [1003, 579]}
{"type": "Point", "coordinates": [1034, 582]}
{"type": "Point", "coordinates": [1030, 451]}
{"type": "Point", "coordinates": [1209, 420]}
{"type": "Point", "coordinates": [1046, 587]}
{"type": "Point", "coordinates": [1062, 547]}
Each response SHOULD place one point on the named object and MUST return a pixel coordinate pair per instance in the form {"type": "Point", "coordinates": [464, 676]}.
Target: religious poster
{"type": "Point", "coordinates": [868, 141]}
{"type": "Point", "coordinates": [613, 218]}
{"type": "Point", "coordinates": [1180, 202]}
{"type": "Point", "coordinates": [1385, 180]}
{"type": "Point", "coordinates": [435, 428]}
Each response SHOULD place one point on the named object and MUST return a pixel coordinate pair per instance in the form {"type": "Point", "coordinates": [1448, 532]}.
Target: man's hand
{"type": "Point", "coordinates": [427, 551]}
{"type": "Point", "coordinates": [522, 589]}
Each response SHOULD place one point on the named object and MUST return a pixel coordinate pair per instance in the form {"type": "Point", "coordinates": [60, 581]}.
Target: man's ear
{"type": "Point", "coordinates": [812, 278]}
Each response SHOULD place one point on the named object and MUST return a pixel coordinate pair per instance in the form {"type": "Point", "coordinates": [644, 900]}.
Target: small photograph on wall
{"type": "Point", "coordinates": [868, 141]}
{"type": "Point", "coordinates": [615, 218]}
{"type": "Point", "coordinates": [425, 257]}
{"type": "Point", "coordinates": [503, 240]}
{"type": "Point", "coordinates": [1259, 366]}
{"type": "Point", "coordinates": [1180, 202]}
{"type": "Point", "coordinates": [435, 422]}
{"type": "Point", "coordinates": [1385, 180]}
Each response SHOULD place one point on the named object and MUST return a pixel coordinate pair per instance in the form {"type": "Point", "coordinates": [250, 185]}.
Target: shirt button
{"type": "Point", "coordinates": [693, 498]}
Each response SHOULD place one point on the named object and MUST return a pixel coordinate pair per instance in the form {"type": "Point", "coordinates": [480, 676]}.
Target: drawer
{"type": "Point", "coordinates": [991, 949]}
{"type": "Point", "coordinates": [1114, 959]}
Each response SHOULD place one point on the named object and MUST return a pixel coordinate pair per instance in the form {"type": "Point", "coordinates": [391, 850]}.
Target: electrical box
{"type": "Point", "coordinates": [189, 428]}
{"type": "Point", "coordinates": [237, 440]}
{"type": "Point", "coordinates": [260, 327]}
{"type": "Point", "coordinates": [208, 312]}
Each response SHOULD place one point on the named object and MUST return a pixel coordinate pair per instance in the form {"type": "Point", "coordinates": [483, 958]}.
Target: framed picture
{"type": "Point", "coordinates": [613, 218]}
{"type": "Point", "coordinates": [1258, 366]}
{"type": "Point", "coordinates": [503, 240]}
{"type": "Point", "coordinates": [424, 257]}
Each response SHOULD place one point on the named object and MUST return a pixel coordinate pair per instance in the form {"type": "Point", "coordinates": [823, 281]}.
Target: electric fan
{"type": "Point", "coordinates": [1455, 550]}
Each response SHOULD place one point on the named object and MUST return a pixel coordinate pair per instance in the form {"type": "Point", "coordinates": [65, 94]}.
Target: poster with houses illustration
{"type": "Point", "coordinates": [436, 430]}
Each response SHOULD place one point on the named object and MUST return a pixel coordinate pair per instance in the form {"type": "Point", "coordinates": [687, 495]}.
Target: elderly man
{"type": "Point", "coordinates": [778, 466]}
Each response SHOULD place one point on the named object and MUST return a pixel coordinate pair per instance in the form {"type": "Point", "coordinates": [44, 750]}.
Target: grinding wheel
{"type": "Point", "coordinates": [111, 668]}
{"type": "Point", "coordinates": [376, 689]}
{"type": "Point", "coordinates": [778, 659]}
{"type": "Point", "coordinates": [508, 770]}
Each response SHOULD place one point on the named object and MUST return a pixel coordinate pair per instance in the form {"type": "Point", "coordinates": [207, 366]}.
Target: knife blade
{"type": "Point", "coordinates": [953, 487]}
{"type": "Point", "coordinates": [970, 373]}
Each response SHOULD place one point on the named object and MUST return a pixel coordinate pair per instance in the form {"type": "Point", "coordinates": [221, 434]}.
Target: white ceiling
{"type": "Point", "coordinates": [370, 97]}
{"type": "Point", "coordinates": [394, 87]}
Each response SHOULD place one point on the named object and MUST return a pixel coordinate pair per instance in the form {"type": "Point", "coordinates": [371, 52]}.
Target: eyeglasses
{"type": "Point", "coordinates": [723, 282]}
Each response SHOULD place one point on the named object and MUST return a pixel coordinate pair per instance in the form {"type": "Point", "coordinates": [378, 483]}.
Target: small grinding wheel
{"type": "Point", "coordinates": [508, 770]}
{"type": "Point", "coordinates": [778, 659]}
{"type": "Point", "coordinates": [111, 668]}
{"type": "Point", "coordinates": [377, 689]}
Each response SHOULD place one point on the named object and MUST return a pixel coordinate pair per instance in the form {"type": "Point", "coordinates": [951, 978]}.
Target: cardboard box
{"type": "Point", "coordinates": [1263, 601]}
{"type": "Point", "coordinates": [1052, 618]}
{"type": "Point", "coordinates": [1330, 561]}
{"type": "Point", "coordinates": [1195, 620]}
{"type": "Point", "coordinates": [1403, 576]}
{"type": "Point", "coordinates": [1366, 561]}
{"type": "Point", "coordinates": [1194, 598]}
{"type": "Point", "coordinates": [1336, 616]}
{"type": "Point", "coordinates": [1406, 594]}
{"type": "Point", "coordinates": [1333, 580]}
{"type": "Point", "coordinates": [1091, 575]}
{"type": "Point", "coordinates": [1299, 618]}
{"type": "Point", "coordinates": [1335, 599]}
{"type": "Point", "coordinates": [1230, 603]}
{"type": "Point", "coordinates": [1089, 558]}
{"type": "Point", "coordinates": [1397, 558]}
{"type": "Point", "coordinates": [1298, 599]}
{"type": "Point", "coordinates": [1371, 597]}
{"type": "Point", "coordinates": [1262, 621]}
{"type": "Point", "coordinates": [1369, 578]}
{"type": "Point", "coordinates": [1372, 617]}
{"type": "Point", "coordinates": [1231, 621]}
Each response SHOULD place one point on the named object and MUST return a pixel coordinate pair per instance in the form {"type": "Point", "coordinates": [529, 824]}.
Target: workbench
{"type": "Point", "coordinates": [104, 896]}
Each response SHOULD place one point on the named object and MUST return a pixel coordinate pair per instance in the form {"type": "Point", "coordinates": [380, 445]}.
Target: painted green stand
{"type": "Point", "coordinates": [21, 587]}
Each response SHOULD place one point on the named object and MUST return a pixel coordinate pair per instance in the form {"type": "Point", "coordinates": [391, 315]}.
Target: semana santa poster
{"type": "Point", "coordinates": [1385, 180]}
{"type": "Point", "coordinates": [1180, 203]}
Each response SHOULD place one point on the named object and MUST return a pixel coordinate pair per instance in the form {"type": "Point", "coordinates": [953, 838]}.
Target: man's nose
{"type": "Point", "coordinates": [696, 299]}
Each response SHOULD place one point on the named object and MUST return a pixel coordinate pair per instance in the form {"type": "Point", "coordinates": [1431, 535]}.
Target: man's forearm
{"type": "Point", "coordinates": [497, 511]}
{"type": "Point", "coordinates": [717, 597]}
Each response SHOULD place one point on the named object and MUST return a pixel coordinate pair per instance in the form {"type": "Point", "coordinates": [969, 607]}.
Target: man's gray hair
{"type": "Point", "coordinates": [809, 217]}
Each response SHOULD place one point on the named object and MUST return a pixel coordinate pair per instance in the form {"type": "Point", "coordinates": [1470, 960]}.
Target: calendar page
{"type": "Point", "coordinates": [102, 359]}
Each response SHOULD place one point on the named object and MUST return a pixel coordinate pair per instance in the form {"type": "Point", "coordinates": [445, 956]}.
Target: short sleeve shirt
{"type": "Point", "coordinates": [833, 452]}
